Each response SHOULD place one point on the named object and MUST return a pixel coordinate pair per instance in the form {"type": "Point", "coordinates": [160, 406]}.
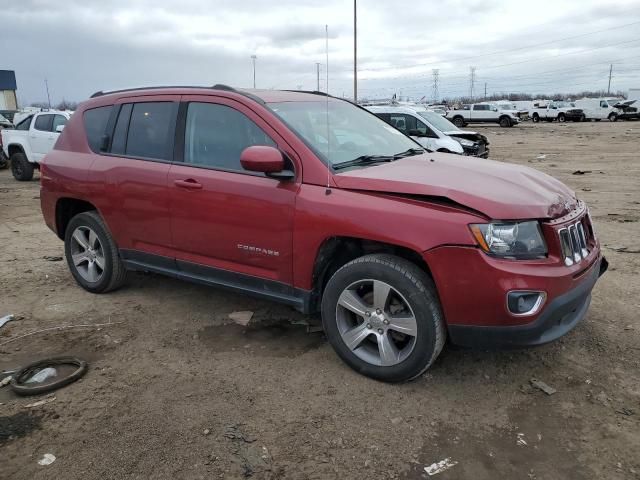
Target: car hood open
{"type": "Point", "coordinates": [501, 191]}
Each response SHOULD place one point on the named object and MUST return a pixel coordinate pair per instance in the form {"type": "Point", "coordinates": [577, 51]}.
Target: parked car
{"type": "Point", "coordinates": [625, 110]}
{"type": "Point", "coordinates": [317, 203]}
{"type": "Point", "coordinates": [432, 130]}
{"type": "Point", "coordinates": [482, 113]}
{"type": "Point", "coordinates": [560, 111]}
{"type": "Point", "coordinates": [31, 139]}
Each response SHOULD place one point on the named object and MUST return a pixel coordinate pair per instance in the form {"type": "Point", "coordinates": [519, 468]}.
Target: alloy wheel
{"type": "Point", "coordinates": [376, 322]}
{"type": "Point", "coordinates": [87, 254]}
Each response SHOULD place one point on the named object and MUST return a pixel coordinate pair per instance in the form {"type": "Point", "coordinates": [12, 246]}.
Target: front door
{"type": "Point", "coordinates": [226, 220]}
{"type": "Point", "coordinates": [41, 136]}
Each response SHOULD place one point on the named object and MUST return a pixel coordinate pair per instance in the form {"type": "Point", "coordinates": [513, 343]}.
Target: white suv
{"type": "Point", "coordinates": [432, 130]}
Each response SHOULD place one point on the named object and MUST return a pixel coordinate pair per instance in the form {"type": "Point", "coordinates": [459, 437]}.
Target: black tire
{"type": "Point", "coordinates": [458, 121]}
{"type": "Point", "coordinates": [597, 119]}
{"type": "Point", "coordinates": [420, 293]}
{"type": "Point", "coordinates": [535, 118]}
{"type": "Point", "coordinates": [505, 122]}
{"type": "Point", "coordinates": [21, 168]}
{"type": "Point", "coordinates": [114, 272]}
{"type": "Point", "coordinates": [561, 117]}
{"type": "Point", "coordinates": [613, 117]}
{"type": "Point", "coordinates": [21, 388]}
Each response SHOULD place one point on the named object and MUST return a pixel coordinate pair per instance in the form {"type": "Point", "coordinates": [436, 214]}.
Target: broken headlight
{"type": "Point", "coordinates": [516, 240]}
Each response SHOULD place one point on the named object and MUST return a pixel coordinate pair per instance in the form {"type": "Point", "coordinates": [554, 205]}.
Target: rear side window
{"type": "Point", "coordinates": [44, 123]}
{"type": "Point", "coordinates": [24, 124]}
{"type": "Point", "coordinates": [58, 120]}
{"type": "Point", "coordinates": [216, 135]}
{"type": "Point", "coordinates": [151, 130]}
{"type": "Point", "coordinates": [95, 125]}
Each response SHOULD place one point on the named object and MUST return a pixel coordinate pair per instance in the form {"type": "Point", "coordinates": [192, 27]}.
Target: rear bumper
{"type": "Point", "coordinates": [559, 317]}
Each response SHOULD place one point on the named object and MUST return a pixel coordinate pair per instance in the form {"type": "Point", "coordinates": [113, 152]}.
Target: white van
{"type": "Point", "coordinates": [597, 109]}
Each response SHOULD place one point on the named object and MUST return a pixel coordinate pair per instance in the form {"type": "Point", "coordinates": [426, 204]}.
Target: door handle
{"type": "Point", "coordinates": [189, 184]}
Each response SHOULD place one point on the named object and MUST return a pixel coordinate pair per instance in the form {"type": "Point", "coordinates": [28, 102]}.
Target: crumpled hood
{"type": "Point", "coordinates": [468, 134]}
{"type": "Point", "coordinates": [502, 191]}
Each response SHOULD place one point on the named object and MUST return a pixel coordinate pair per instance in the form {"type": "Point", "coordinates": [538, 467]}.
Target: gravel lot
{"type": "Point", "coordinates": [175, 390]}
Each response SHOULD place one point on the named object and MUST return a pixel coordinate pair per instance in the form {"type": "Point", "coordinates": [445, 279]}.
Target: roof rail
{"type": "Point", "coordinates": [312, 92]}
{"type": "Point", "coordinates": [218, 86]}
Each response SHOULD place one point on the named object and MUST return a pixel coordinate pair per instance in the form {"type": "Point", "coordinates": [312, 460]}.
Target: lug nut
{"type": "Point", "coordinates": [378, 311]}
{"type": "Point", "coordinates": [380, 330]}
{"type": "Point", "coordinates": [367, 314]}
{"type": "Point", "coordinates": [368, 325]}
{"type": "Point", "coordinates": [385, 321]}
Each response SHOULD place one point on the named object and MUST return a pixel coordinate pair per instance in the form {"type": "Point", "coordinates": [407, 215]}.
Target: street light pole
{"type": "Point", "coordinates": [355, 52]}
{"type": "Point", "coordinates": [253, 57]}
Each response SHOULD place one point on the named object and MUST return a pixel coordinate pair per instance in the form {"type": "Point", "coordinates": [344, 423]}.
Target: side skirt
{"type": "Point", "coordinates": [196, 273]}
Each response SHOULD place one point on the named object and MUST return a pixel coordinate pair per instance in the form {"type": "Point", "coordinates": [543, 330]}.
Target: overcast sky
{"type": "Point", "coordinates": [82, 46]}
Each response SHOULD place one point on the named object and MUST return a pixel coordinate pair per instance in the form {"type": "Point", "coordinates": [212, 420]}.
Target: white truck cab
{"type": "Point", "coordinates": [31, 139]}
{"type": "Point", "coordinates": [431, 130]}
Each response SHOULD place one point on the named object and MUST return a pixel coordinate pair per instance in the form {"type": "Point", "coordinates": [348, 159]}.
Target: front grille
{"type": "Point", "coordinates": [574, 243]}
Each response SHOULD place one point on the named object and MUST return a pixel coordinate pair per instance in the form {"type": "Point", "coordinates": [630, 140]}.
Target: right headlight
{"type": "Point", "coordinates": [464, 142]}
{"type": "Point", "coordinates": [516, 240]}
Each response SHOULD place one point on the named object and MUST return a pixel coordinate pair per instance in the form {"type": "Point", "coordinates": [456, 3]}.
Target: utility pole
{"type": "Point", "coordinates": [253, 58]}
{"type": "Point", "coordinates": [318, 76]}
{"type": "Point", "coordinates": [436, 74]}
{"type": "Point", "coordinates": [472, 81]}
{"type": "Point", "coordinates": [609, 87]}
{"type": "Point", "coordinates": [46, 85]}
{"type": "Point", "coordinates": [485, 90]}
{"type": "Point", "coordinates": [355, 52]}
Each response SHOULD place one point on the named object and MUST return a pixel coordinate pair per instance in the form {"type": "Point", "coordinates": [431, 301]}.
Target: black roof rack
{"type": "Point", "coordinates": [218, 86]}
{"type": "Point", "coordinates": [312, 92]}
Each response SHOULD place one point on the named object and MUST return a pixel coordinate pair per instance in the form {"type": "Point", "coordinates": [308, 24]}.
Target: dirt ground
{"type": "Point", "coordinates": [175, 390]}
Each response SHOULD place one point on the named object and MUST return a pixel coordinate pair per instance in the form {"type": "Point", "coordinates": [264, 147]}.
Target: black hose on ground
{"type": "Point", "coordinates": [19, 386]}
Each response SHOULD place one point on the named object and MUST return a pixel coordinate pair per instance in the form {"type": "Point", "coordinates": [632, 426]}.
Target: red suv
{"type": "Point", "coordinates": [312, 201]}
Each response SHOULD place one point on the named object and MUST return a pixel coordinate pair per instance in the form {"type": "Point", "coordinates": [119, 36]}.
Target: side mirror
{"type": "Point", "coordinates": [59, 128]}
{"type": "Point", "coordinates": [495, 109]}
{"type": "Point", "coordinates": [265, 159]}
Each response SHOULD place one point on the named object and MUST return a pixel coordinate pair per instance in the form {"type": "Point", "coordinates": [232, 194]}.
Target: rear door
{"type": "Point", "coordinates": [130, 176]}
{"type": "Point", "coordinates": [41, 136]}
{"type": "Point", "coordinates": [480, 113]}
{"type": "Point", "coordinates": [226, 220]}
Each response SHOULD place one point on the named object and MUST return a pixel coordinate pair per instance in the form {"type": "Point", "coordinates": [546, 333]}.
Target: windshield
{"type": "Point", "coordinates": [438, 121]}
{"type": "Point", "coordinates": [352, 131]}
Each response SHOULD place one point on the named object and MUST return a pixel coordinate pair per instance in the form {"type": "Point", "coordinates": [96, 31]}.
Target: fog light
{"type": "Point", "coordinates": [525, 303]}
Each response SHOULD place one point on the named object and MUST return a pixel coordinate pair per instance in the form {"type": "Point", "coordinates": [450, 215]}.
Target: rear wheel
{"type": "Point", "coordinates": [92, 255]}
{"type": "Point", "coordinates": [382, 317]}
{"type": "Point", "coordinates": [21, 168]}
{"type": "Point", "coordinates": [505, 122]}
{"type": "Point", "coordinates": [458, 121]}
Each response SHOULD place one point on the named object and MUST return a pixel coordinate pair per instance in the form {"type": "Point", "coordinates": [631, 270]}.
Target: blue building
{"type": "Point", "coordinates": [8, 87]}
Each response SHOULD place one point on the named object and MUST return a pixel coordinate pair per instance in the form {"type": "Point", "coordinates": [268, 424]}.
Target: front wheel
{"type": "Point", "coordinates": [535, 118]}
{"type": "Point", "coordinates": [561, 117]}
{"type": "Point", "coordinates": [613, 117]}
{"type": "Point", "coordinates": [505, 122]}
{"type": "Point", "coordinates": [21, 168]}
{"type": "Point", "coordinates": [458, 121]}
{"type": "Point", "coordinates": [92, 254]}
{"type": "Point", "coordinates": [382, 317]}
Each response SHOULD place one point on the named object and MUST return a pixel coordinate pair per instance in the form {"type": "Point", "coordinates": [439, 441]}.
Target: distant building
{"type": "Point", "coordinates": [8, 87]}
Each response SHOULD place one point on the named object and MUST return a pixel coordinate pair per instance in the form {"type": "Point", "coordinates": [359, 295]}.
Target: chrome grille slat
{"type": "Point", "coordinates": [573, 243]}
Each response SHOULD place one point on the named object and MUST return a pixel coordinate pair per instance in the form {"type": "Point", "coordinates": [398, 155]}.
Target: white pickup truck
{"type": "Point", "coordinates": [560, 111]}
{"type": "Point", "coordinates": [31, 139]}
{"type": "Point", "coordinates": [482, 113]}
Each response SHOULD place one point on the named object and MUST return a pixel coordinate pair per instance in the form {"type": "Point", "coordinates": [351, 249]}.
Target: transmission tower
{"type": "Point", "coordinates": [436, 74]}
{"type": "Point", "coordinates": [472, 81]}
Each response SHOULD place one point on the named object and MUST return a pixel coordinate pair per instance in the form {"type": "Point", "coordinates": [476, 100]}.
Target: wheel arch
{"type": "Point", "coordinates": [13, 148]}
{"type": "Point", "coordinates": [337, 251]}
{"type": "Point", "coordinates": [66, 209]}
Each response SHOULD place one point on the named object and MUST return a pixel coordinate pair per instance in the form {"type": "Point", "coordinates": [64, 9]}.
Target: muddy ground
{"type": "Point", "coordinates": [176, 391]}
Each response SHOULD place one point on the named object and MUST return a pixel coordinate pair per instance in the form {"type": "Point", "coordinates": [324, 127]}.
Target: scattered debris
{"type": "Point", "coordinates": [622, 249]}
{"type": "Point", "coordinates": [541, 157]}
{"type": "Point", "coordinates": [233, 432]}
{"type": "Point", "coordinates": [603, 399]}
{"type": "Point", "coordinates": [314, 328]}
{"type": "Point", "coordinates": [39, 403]}
{"type": "Point", "coordinates": [396, 420]}
{"type": "Point", "coordinates": [64, 327]}
{"type": "Point", "coordinates": [625, 411]}
{"type": "Point", "coordinates": [440, 466]}
{"type": "Point", "coordinates": [520, 440]}
{"type": "Point", "coordinates": [241, 318]}
{"type": "Point", "coordinates": [206, 431]}
{"type": "Point", "coordinates": [42, 375]}
{"type": "Point", "coordinates": [47, 459]}
{"type": "Point", "coordinates": [586, 189]}
{"type": "Point", "coordinates": [5, 381]}
{"type": "Point", "coordinates": [5, 319]}
{"type": "Point", "coordinates": [540, 385]}
{"type": "Point", "coordinates": [581, 172]}
{"type": "Point", "coordinates": [52, 258]}
{"type": "Point", "coordinates": [21, 385]}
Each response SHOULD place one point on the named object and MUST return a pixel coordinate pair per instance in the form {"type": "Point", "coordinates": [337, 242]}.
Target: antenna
{"type": "Point", "coordinates": [326, 39]}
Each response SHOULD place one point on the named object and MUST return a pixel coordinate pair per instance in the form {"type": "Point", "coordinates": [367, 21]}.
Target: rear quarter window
{"type": "Point", "coordinates": [95, 126]}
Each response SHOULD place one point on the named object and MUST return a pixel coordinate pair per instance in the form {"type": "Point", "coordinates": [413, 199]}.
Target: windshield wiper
{"type": "Point", "coordinates": [365, 160]}
{"type": "Point", "coordinates": [409, 153]}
